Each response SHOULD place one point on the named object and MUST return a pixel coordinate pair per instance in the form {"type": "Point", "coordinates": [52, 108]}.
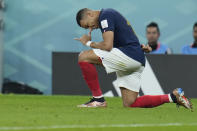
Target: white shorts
{"type": "Point", "coordinates": [128, 70]}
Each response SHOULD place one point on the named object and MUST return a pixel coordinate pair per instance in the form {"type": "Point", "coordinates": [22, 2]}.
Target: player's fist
{"type": "Point", "coordinates": [146, 48]}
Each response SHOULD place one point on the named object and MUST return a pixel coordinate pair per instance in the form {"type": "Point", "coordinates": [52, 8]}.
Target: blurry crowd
{"type": "Point", "coordinates": [153, 34]}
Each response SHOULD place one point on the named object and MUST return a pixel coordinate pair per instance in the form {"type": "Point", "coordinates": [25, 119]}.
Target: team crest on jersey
{"type": "Point", "coordinates": [104, 24]}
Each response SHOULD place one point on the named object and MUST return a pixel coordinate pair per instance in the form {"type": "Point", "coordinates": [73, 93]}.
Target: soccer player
{"type": "Point", "coordinates": [191, 49]}
{"type": "Point", "coordinates": [119, 52]}
{"type": "Point", "coordinates": [152, 35]}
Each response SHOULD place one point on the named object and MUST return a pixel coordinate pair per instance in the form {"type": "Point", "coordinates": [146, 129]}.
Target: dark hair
{"type": "Point", "coordinates": [195, 25]}
{"type": "Point", "coordinates": [80, 15]}
{"type": "Point", "coordinates": [153, 24]}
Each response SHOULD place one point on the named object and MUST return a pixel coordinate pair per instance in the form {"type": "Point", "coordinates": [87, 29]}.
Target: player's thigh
{"type": "Point", "coordinates": [89, 56]}
{"type": "Point", "coordinates": [128, 96]}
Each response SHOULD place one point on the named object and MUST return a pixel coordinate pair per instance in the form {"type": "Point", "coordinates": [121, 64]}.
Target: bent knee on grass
{"type": "Point", "coordinates": [128, 96]}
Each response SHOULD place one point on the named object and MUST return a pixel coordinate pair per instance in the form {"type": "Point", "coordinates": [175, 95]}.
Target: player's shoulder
{"type": "Point", "coordinates": [186, 47]}
{"type": "Point", "coordinates": [164, 46]}
{"type": "Point", "coordinates": [108, 12]}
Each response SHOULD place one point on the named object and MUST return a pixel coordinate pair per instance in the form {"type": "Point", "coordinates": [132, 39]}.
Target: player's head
{"type": "Point", "coordinates": [87, 19]}
{"type": "Point", "coordinates": [152, 33]}
{"type": "Point", "coordinates": [195, 31]}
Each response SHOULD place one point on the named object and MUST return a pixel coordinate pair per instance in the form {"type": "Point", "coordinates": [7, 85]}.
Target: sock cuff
{"type": "Point", "coordinates": [98, 96]}
{"type": "Point", "coordinates": [173, 97]}
{"type": "Point", "coordinates": [102, 99]}
{"type": "Point", "coordinates": [83, 62]}
{"type": "Point", "coordinates": [170, 98]}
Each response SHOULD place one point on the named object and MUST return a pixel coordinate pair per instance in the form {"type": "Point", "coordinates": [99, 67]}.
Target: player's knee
{"type": "Point", "coordinates": [128, 103]}
{"type": "Point", "coordinates": [82, 57]}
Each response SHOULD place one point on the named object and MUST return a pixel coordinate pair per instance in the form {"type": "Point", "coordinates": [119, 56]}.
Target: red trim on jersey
{"type": "Point", "coordinates": [158, 45]}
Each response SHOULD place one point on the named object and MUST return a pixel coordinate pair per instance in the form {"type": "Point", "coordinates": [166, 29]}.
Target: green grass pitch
{"type": "Point", "coordinates": [59, 113]}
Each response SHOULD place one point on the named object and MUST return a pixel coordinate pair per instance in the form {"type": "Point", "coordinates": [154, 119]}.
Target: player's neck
{"type": "Point", "coordinates": [97, 13]}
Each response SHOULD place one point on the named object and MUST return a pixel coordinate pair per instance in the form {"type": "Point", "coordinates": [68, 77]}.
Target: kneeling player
{"type": "Point", "coordinates": [119, 52]}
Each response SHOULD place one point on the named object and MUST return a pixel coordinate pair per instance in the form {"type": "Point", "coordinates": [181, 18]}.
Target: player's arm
{"type": "Point", "coordinates": [106, 44]}
{"type": "Point", "coordinates": [107, 27]}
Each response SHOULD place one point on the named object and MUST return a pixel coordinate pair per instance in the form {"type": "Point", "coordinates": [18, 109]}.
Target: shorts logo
{"type": "Point", "coordinates": [104, 24]}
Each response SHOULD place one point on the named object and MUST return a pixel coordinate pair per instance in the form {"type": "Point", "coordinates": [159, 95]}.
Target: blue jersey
{"type": "Point", "coordinates": [125, 38]}
{"type": "Point", "coordinates": [161, 49]}
{"type": "Point", "coordinates": [188, 49]}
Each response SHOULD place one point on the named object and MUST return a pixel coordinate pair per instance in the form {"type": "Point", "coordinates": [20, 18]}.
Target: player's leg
{"type": "Point", "coordinates": [130, 99]}
{"type": "Point", "coordinates": [90, 57]}
{"type": "Point", "coordinates": [130, 85]}
{"type": "Point", "coordinates": [128, 96]}
{"type": "Point", "coordinates": [149, 101]}
{"type": "Point", "coordinates": [86, 61]}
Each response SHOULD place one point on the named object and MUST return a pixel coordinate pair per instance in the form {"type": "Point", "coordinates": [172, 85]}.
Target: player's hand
{"type": "Point", "coordinates": [85, 38]}
{"type": "Point", "coordinates": [146, 48]}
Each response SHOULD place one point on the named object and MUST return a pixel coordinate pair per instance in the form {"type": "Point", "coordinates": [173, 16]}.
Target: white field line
{"type": "Point", "coordinates": [96, 126]}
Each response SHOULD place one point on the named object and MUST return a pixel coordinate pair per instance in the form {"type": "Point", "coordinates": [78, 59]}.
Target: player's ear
{"type": "Point", "coordinates": [90, 13]}
{"type": "Point", "coordinates": [159, 34]}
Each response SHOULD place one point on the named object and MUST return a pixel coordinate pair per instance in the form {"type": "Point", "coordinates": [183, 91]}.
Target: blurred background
{"type": "Point", "coordinates": [33, 29]}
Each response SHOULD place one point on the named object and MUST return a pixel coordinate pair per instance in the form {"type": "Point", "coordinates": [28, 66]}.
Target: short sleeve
{"type": "Point", "coordinates": [107, 23]}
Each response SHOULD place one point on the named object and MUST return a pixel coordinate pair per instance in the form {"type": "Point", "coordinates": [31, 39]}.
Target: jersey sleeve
{"type": "Point", "coordinates": [107, 23]}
